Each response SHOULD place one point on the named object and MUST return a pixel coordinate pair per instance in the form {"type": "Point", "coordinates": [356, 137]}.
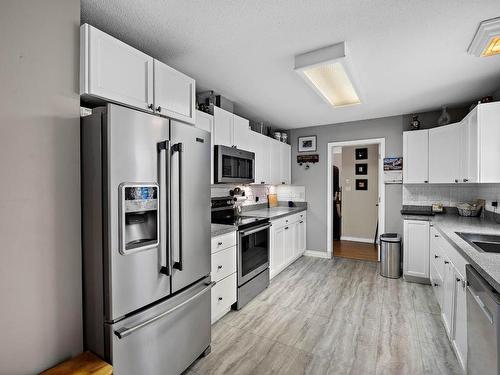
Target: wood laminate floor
{"type": "Point", "coordinates": [355, 250]}
{"type": "Point", "coordinates": [338, 316]}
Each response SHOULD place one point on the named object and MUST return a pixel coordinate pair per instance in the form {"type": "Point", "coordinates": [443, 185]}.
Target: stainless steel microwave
{"type": "Point", "coordinates": [232, 165]}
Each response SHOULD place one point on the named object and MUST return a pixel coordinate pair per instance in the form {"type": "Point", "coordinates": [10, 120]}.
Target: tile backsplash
{"type": "Point", "coordinates": [450, 195]}
{"type": "Point", "coordinates": [257, 194]}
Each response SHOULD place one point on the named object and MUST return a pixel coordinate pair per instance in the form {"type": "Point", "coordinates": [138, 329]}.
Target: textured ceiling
{"type": "Point", "coordinates": [407, 56]}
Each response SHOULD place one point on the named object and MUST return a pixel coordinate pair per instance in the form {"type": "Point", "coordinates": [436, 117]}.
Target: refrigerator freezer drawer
{"type": "Point", "coordinates": [165, 339]}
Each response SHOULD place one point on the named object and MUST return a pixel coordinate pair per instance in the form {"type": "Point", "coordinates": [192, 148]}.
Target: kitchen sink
{"type": "Point", "coordinates": [489, 243]}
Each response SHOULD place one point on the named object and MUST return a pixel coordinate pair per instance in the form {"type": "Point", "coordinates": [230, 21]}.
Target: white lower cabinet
{"type": "Point", "coordinates": [416, 249]}
{"type": "Point", "coordinates": [224, 274]}
{"type": "Point", "coordinates": [288, 238]}
{"type": "Point", "coordinates": [447, 268]}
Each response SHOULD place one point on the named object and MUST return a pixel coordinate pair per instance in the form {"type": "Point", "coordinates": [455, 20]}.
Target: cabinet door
{"type": "Point", "coordinates": [460, 320]}
{"type": "Point", "coordinates": [205, 121]}
{"type": "Point", "coordinates": [463, 156]}
{"type": "Point", "coordinates": [472, 147]}
{"type": "Point", "coordinates": [444, 154]}
{"type": "Point", "coordinates": [448, 297]}
{"type": "Point", "coordinates": [259, 145]}
{"type": "Point", "coordinates": [277, 256]}
{"type": "Point", "coordinates": [301, 236]}
{"type": "Point", "coordinates": [113, 70]}
{"type": "Point", "coordinates": [223, 127]}
{"type": "Point", "coordinates": [241, 133]}
{"type": "Point", "coordinates": [415, 156]}
{"type": "Point", "coordinates": [290, 241]}
{"type": "Point", "coordinates": [416, 248]}
{"type": "Point", "coordinates": [275, 162]}
{"type": "Point", "coordinates": [174, 93]}
{"type": "Point", "coordinates": [284, 163]}
{"type": "Point", "coordinates": [488, 118]}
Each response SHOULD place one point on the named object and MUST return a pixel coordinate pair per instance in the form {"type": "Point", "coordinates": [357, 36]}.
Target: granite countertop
{"type": "Point", "coordinates": [275, 212]}
{"type": "Point", "coordinates": [220, 229]}
{"type": "Point", "coordinates": [487, 264]}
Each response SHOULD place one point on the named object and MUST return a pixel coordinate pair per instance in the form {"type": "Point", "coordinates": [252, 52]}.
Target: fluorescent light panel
{"type": "Point", "coordinates": [486, 41]}
{"type": "Point", "coordinates": [325, 70]}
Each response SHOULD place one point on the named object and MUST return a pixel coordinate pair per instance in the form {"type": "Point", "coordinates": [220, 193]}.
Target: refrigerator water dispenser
{"type": "Point", "coordinates": [139, 217]}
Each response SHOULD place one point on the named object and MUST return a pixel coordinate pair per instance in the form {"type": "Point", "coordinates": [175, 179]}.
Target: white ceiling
{"type": "Point", "coordinates": [407, 56]}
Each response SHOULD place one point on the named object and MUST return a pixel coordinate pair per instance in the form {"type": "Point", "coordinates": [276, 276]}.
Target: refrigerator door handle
{"type": "Point", "coordinates": [178, 148]}
{"type": "Point", "coordinates": [165, 236]}
{"type": "Point", "coordinates": [126, 331]}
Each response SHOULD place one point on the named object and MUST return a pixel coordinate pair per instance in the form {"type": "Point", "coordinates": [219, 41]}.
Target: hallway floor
{"type": "Point", "coordinates": [337, 316]}
{"type": "Point", "coordinates": [355, 250]}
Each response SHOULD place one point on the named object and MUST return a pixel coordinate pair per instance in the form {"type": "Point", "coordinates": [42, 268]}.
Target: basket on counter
{"type": "Point", "coordinates": [466, 209]}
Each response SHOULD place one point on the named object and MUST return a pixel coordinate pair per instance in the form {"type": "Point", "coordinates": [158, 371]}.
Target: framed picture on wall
{"type": "Point", "coordinates": [307, 144]}
{"type": "Point", "coordinates": [361, 168]}
{"type": "Point", "coordinates": [361, 184]}
{"type": "Point", "coordinates": [361, 153]}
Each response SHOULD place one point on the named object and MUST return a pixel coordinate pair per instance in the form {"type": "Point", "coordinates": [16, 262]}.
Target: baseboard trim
{"type": "Point", "coordinates": [356, 239]}
{"type": "Point", "coordinates": [317, 254]}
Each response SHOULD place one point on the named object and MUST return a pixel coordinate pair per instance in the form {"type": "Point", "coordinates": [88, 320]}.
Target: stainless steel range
{"type": "Point", "coordinates": [252, 250]}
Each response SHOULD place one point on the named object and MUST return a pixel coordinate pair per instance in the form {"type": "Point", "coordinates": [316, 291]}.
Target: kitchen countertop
{"type": "Point", "coordinates": [487, 264]}
{"type": "Point", "coordinates": [220, 229]}
{"type": "Point", "coordinates": [274, 213]}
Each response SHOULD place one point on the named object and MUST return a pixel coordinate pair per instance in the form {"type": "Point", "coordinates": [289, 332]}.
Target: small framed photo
{"type": "Point", "coordinates": [361, 184]}
{"type": "Point", "coordinates": [361, 153]}
{"type": "Point", "coordinates": [307, 144]}
{"type": "Point", "coordinates": [361, 168]}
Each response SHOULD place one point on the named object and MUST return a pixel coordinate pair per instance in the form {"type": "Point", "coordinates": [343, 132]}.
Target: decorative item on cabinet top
{"type": "Point", "coordinates": [444, 118]}
{"type": "Point", "coordinates": [414, 123]}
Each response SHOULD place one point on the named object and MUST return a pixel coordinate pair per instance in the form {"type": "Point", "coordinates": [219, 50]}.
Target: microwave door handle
{"type": "Point", "coordinates": [165, 238]}
{"type": "Point", "coordinates": [178, 148]}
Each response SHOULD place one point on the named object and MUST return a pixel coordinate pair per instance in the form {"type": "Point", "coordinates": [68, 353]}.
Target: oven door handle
{"type": "Point", "coordinates": [255, 230]}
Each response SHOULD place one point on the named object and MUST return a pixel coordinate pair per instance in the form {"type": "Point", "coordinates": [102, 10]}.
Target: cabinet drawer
{"type": "Point", "coordinates": [223, 242]}
{"type": "Point", "coordinates": [223, 263]}
{"type": "Point", "coordinates": [223, 296]}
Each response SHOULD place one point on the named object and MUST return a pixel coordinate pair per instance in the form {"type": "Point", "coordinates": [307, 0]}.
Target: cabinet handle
{"type": "Point", "coordinates": [219, 243]}
{"type": "Point", "coordinates": [436, 235]}
{"type": "Point", "coordinates": [456, 180]}
{"type": "Point", "coordinates": [220, 298]}
{"type": "Point", "coordinates": [286, 228]}
{"type": "Point", "coordinates": [158, 109]}
{"type": "Point", "coordinates": [301, 222]}
{"type": "Point", "coordinates": [446, 262]}
{"type": "Point", "coordinates": [466, 180]}
{"type": "Point", "coordinates": [435, 284]}
{"type": "Point", "coordinates": [219, 267]}
{"type": "Point", "coordinates": [436, 256]}
{"type": "Point", "coordinates": [458, 280]}
{"type": "Point", "coordinates": [151, 106]}
{"type": "Point", "coordinates": [426, 181]}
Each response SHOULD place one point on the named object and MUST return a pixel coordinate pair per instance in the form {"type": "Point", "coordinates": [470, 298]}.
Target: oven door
{"type": "Point", "coordinates": [233, 165]}
{"type": "Point", "coordinates": [253, 252]}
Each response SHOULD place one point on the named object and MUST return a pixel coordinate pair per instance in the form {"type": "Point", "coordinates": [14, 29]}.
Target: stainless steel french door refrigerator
{"type": "Point", "coordinates": [146, 240]}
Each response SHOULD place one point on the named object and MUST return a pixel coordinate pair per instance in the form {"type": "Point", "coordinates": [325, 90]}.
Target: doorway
{"type": "Point", "coordinates": [356, 197]}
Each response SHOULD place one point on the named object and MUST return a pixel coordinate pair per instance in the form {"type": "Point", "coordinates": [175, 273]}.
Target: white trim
{"type": "Point", "coordinates": [356, 239]}
{"type": "Point", "coordinates": [317, 254]}
{"type": "Point", "coordinates": [381, 190]}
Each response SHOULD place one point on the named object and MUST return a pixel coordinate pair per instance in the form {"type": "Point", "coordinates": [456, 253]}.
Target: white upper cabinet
{"type": "Point", "coordinates": [275, 162]}
{"type": "Point", "coordinates": [484, 123]}
{"type": "Point", "coordinates": [174, 93]}
{"type": "Point", "coordinates": [223, 127]}
{"type": "Point", "coordinates": [114, 71]}
{"type": "Point", "coordinates": [416, 157]}
{"type": "Point", "coordinates": [444, 164]}
{"type": "Point", "coordinates": [285, 156]}
{"type": "Point", "coordinates": [111, 69]}
{"type": "Point", "coordinates": [260, 145]}
{"type": "Point", "coordinates": [241, 130]}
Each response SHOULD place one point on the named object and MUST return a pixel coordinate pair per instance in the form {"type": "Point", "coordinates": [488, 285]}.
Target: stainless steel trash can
{"type": "Point", "coordinates": [390, 255]}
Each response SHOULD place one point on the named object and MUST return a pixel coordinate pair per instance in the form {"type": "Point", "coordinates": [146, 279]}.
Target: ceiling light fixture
{"type": "Point", "coordinates": [486, 41]}
{"type": "Point", "coordinates": [326, 71]}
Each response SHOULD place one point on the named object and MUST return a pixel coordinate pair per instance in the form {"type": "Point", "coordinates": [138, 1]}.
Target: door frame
{"type": "Point", "coordinates": [381, 188]}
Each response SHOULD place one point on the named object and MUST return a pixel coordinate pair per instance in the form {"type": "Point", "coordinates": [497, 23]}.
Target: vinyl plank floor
{"type": "Point", "coordinates": [332, 316]}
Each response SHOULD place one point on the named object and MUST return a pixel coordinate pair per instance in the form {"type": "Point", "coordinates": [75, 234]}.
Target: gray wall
{"type": "Point", "coordinates": [40, 256]}
{"type": "Point", "coordinates": [314, 179]}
